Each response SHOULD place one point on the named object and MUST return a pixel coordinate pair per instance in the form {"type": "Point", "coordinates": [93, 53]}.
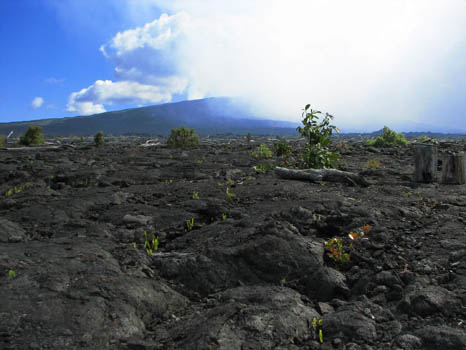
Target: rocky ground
{"type": "Point", "coordinates": [241, 261]}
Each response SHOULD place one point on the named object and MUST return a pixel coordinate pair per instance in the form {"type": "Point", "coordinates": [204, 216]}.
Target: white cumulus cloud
{"type": "Point", "coordinates": [157, 35]}
{"type": "Point", "coordinates": [37, 102]}
{"type": "Point", "coordinates": [91, 100]}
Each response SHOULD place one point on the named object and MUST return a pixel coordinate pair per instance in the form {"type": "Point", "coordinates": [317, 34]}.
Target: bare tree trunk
{"type": "Point", "coordinates": [331, 175]}
{"type": "Point", "coordinates": [425, 163]}
{"type": "Point", "coordinates": [454, 169]}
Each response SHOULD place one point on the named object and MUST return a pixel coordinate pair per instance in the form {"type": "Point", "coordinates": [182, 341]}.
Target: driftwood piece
{"type": "Point", "coordinates": [454, 169]}
{"type": "Point", "coordinates": [331, 175]}
{"type": "Point", "coordinates": [425, 163]}
{"type": "Point", "coordinates": [37, 148]}
{"type": "Point", "coordinates": [151, 143]}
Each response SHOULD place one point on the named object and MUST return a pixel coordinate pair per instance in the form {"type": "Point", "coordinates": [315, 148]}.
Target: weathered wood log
{"type": "Point", "coordinates": [454, 169]}
{"type": "Point", "coordinates": [425, 163]}
{"type": "Point", "coordinates": [314, 175]}
{"type": "Point", "coordinates": [37, 148]}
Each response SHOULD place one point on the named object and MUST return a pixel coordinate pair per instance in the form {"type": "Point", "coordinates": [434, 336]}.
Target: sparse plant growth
{"type": "Point", "coordinates": [282, 148]}
{"type": "Point", "coordinates": [33, 137]}
{"type": "Point", "coordinates": [16, 189]}
{"type": "Point", "coordinates": [151, 245]}
{"type": "Point", "coordinates": [373, 164]}
{"type": "Point", "coordinates": [336, 251]}
{"type": "Point", "coordinates": [2, 140]}
{"type": "Point", "coordinates": [229, 194]}
{"type": "Point", "coordinates": [358, 236]}
{"type": "Point", "coordinates": [249, 137]}
{"type": "Point", "coordinates": [189, 225]}
{"type": "Point", "coordinates": [99, 139]}
{"type": "Point", "coordinates": [336, 247]}
{"type": "Point", "coordinates": [317, 327]}
{"type": "Point", "coordinates": [261, 232]}
{"type": "Point", "coordinates": [389, 138]}
{"type": "Point", "coordinates": [264, 152]}
{"type": "Point", "coordinates": [183, 138]}
{"type": "Point", "coordinates": [318, 134]}
{"type": "Point", "coordinates": [263, 167]}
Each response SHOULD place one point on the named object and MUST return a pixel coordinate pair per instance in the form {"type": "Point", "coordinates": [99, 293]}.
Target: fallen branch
{"type": "Point", "coordinates": [151, 143]}
{"type": "Point", "coordinates": [37, 148]}
{"type": "Point", "coordinates": [314, 175]}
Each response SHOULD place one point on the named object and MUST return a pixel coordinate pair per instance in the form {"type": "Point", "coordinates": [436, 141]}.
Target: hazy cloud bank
{"type": "Point", "coordinates": [367, 62]}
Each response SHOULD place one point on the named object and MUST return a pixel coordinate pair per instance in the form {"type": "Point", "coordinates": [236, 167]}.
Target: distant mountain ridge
{"type": "Point", "coordinates": [208, 116]}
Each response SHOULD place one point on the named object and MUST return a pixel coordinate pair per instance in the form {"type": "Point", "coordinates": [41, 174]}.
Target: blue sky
{"type": "Point", "coordinates": [370, 63]}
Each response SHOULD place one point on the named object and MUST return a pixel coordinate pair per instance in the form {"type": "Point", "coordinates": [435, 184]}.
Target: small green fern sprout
{"type": "Point", "coordinates": [151, 245]}
{"type": "Point", "coordinates": [317, 327]}
{"type": "Point", "coordinates": [196, 195]}
{"type": "Point", "coordinates": [189, 224]}
{"type": "Point", "coordinates": [11, 273]}
{"type": "Point", "coordinates": [230, 195]}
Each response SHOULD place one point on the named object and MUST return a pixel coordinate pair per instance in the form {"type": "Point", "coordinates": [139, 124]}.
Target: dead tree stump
{"type": "Point", "coordinates": [454, 169]}
{"type": "Point", "coordinates": [425, 163]}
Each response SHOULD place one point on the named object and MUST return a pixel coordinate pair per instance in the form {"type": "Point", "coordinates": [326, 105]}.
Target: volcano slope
{"type": "Point", "coordinates": [241, 260]}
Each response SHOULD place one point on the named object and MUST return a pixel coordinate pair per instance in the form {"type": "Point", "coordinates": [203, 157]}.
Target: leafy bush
{"type": "Point", "coordinates": [33, 137]}
{"type": "Point", "coordinates": [99, 138]}
{"type": "Point", "coordinates": [389, 138]}
{"type": "Point", "coordinates": [262, 152]}
{"type": "Point", "coordinates": [182, 137]}
{"type": "Point", "coordinates": [282, 148]}
{"type": "Point", "coordinates": [318, 154]}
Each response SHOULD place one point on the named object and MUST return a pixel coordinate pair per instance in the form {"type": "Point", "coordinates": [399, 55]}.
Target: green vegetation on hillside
{"type": "Point", "coordinates": [33, 137]}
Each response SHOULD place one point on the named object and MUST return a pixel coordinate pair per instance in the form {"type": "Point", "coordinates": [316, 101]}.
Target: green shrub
{"type": "Point", "coordinates": [33, 137]}
{"type": "Point", "coordinates": [182, 138]}
{"type": "Point", "coordinates": [282, 148]}
{"type": "Point", "coordinates": [318, 154]}
{"type": "Point", "coordinates": [264, 152]}
{"type": "Point", "coordinates": [99, 139]}
{"type": "Point", "coordinates": [2, 142]}
{"type": "Point", "coordinates": [389, 138]}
